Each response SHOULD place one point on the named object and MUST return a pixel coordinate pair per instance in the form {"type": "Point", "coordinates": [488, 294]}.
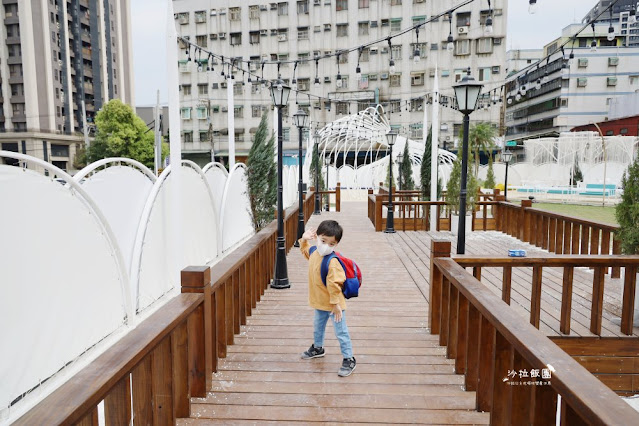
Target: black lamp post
{"type": "Point", "coordinates": [390, 216]}
{"type": "Point", "coordinates": [506, 156]}
{"type": "Point", "coordinates": [279, 96]}
{"type": "Point", "coordinates": [318, 208]}
{"type": "Point", "coordinates": [328, 197]}
{"type": "Point", "coordinates": [301, 120]}
{"type": "Point", "coordinates": [467, 94]}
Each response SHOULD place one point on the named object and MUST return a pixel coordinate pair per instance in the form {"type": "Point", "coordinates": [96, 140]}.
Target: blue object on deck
{"type": "Point", "coordinates": [516, 253]}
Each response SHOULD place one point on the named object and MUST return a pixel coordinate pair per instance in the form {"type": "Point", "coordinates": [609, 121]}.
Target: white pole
{"type": "Point", "coordinates": [175, 146]}
{"type": "Point", "coordinates": [158, 136]}
{"type": "Point", "coordinates": [275, 129]}
{"type": "Point", "coordinates": [231, 120]}
{"type": "Point", "coordinates": [433, 152]}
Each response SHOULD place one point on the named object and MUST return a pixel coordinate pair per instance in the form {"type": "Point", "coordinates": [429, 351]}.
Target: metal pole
{"type": "Point", "coordinates": [158, 141]}
{"type": "Point", "coordinates": [280, 281]}
{"type": "Point", "coordinates": [605, 158]}
{"type": "Point", "coordinates": [318, 208]}
{"type": "Point", "coordinates": [328, 196]}
{"type": "Point", "coordinates": [461, 235]}
{"type": "Point", "coordinates": [231, 119]}
{"type": "Point", "coordinates": [506, 182]}
{"type": "Point", "coordinates": [390, 216]}
{"type": "Point", "coordinates": [300, 214]}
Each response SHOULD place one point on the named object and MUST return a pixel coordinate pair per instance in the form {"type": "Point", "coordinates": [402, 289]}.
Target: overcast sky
{"type": "Point", "coordinates": [525, 31]}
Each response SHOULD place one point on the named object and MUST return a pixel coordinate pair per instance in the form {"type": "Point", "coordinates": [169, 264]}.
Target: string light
{"type": "Point", "coordinates": [317, 81]}
{"type": "Point", "coordinates": [611, 29]}
{"type": "Point", "coordinates": [416, 53]}
{"type": "Point", "coordinates": [532, 6]}
{"type": "Point", "coordinates": [545, 79]}
{"type": "Point", "coordinates": [358, 70]}
{"type": "Point", "coordinates": [632, 19]}
{"type": "Point", "coordinates": [391, 64]}
{"type": "Point", "coordinates": [188, 53]}
{"type": "Point", "coordinates": [593, 45]}
{"type": "Point", "coordinates": [489, 20]}
{"type": "Point", "coordinates": [294, 81]}
{"type": "Point", "coordinates": [450, 46]}
{"type": "Point", "coordinates": [338, 81]}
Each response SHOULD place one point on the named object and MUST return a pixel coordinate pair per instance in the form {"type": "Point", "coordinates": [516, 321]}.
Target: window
{"type": "Point", "coordinates": [623, 131]}
{"type": "Point", "coordinates": [395, 106]}
{"type": "Point", "coordinates": [344, 83]}
{"type": "Point", "coordinates": [238, 89]}
{"type": "Point", "coordinates": [235, 13]}
{"type": "Point", "coordinates": [186, 89]}
{"type": "Point", "coordinates": [304, 57]}
{"type": "Point", "coordinates": [327, 27]}
{"type": "Point", "coordinates": [611, 81]}
{"type": "Point", "coordinates": [416, 130]}
{"type": "Point", "coordinates": [362, 28]}
{"type": "Point", "coordinates": [204, 135]}
{"type": "Point", "coordinates": [396, 2]}
{"type": "Point", "coordinates": [445, 73]}
{"type": "Point", "coordinates": [185, 113]}
{"type": "Point", "coordinates": [613, 62]}
{"type": "Point", "coordinates": [582, 82]}
{"type": "Point", "coordinates": [434, 46]}
{"type": "Point", "coordinates": [365, 55]}
{"type": "Point", "coordinates": [303, 84]}
{"type": "Point", "coordinates": [282, 9]}
{"type": "Point", "coordinates": [341, 108]}
{"type": "Point", "coordinates": [484, 74]}
{"type": "Point", "coordinates": [395, 80]}
{"type": "Point", "coordinates": [317, 28]}
{"type": "Point", "coordinates": [396, 25]}
{"type": "Point", "coordinates": [183, 18]}
{"type": "Point", "coordinates": [343, 58]}
{"type": "Point", "coordinates": [254, 37]}
{"type": "Point", "coordinates": [397, 51]}
{"type": "Point", "coordinates": [463, 19]}
{"type": "Point", "coordinates": [188, 137]}
{"type": "Point", "coordinates": [342, 30]}
{"type": "Point", "coordinates": [419, 19]}
{"type": "Point", "coordinates": [417, 79]}
{"type": "Point", "coordinates": [462, 47]}
{"type": "Point", "coordinates": [302, 33]}
{"type": "Point", "coordinates": [256, 111]}
{"type": "Point", "coordinates": [200, 16]}
{"type": "Point", "coordinates": [417, 104]}
{"type": "Point", "coordinates": [236, 39]}
{"type": "Point", "coordinates": [459, 74]}
{"type": "Point", "coordinates": [363, 4]}
{"type": "Point", "coordinates": [286, 133]}
{"type": "Point", "coordinates": [363, 83]}
{"type": "Point", "coordinates": [385, 22]}
{"type": "Point", "coordinates": [59, 150]}
{"type": "Point", "coordinates": [201, 40]}
{"type": "Point", "coordinates": [302, 7]}
{"type": "Point", "coordinates": [201, 113]}
{"type": "Point", "coordinates": [582, 63]}
{"type": "Point", "coordinates": [202, 89]}
{"type": "Point", "coordinates": [485, 45]}
{"type": "Point", "coordinates": [254, 12]}
{"type": "Point", "coordinates": [341, 5]}
{"type": "Point", "coordinates": [238, 111]}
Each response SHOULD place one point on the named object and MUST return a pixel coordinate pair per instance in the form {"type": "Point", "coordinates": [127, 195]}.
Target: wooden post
{"type": "Point", "coordinates": [597, 301]}
{"type": "Point", "coordinates": [628, 304]}
{"type": "Point", "coordinates": [566, 300]}
{"type": "Point", "coordinates": [501, 409]}
{"type": "Point", "coordinates": [338, 197]}
{"type": "Point", "coordinates": [462, 335]}
{"type": "Point", "coordinates": [453, 315]}
{"type": "Point", "coordinates": [197, 279]}
{"type": "Point", "coordinates": [535, 298]}
{"type": "Point", "coordinates": [524, 233]}
{"type": "Point", "coordinates": [438, 248]}
{"type": "Point", "coordinates": [484, 394]}
{"type": "Point", "coordinates": [472, 349]}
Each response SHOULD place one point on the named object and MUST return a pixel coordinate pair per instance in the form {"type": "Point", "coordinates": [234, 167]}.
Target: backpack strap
{"type": "Point", "coordinates": [325, 263]}
{"type": "Point", "coordinates": [311, 250]}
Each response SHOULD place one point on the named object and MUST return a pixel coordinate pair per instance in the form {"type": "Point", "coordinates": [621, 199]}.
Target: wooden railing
{"type": "Point", "coordinates": [557, 233]}
{"type": "Point", "coordinates": [153, 371]}
{"type": "Point", "coordinates": [338, 197]}
{"type": "Point", "coordinates": [489, 341]}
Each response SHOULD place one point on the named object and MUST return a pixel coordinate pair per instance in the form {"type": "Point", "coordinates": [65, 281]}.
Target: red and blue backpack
{"type": "Point", "coordinates": [353, 273]}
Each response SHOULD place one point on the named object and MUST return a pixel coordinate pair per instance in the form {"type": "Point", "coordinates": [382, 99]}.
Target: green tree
{"type": "Point", "coordinates": [576, 176]}
{"type": "Point", "coordinates": [262, 176]}
{"type": "Point", "coordinates": [121, 133]}
{"type": "Point", "coordinates": [424, 171]}
{"type": "Point", "coordinates": [453, 188]}
{"type": "Point", "coordinates": [480, 138]}
{"type": "Point", "coordinates": [627, 212]}
{"type": "Point", "coordinates": [490, 175]}
{"type": "Point", "coordinates": [388, 170]}
{"type": "Point", "coordinates": [406, 170]}
{"type": "Point", "coordinates": [314, 162]}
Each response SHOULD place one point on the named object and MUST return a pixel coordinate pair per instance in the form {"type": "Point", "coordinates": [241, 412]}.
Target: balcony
{"type": "Point", "coordinates": [19, 118]}
{"type": "Point", "coordinates": [10, 20]}
{"type": "Point", "coordinates": [86, 37]}
{"type": "Point", "coordinates": [14, 60]}
{"type": "Point", "coordinates": [12, 40]}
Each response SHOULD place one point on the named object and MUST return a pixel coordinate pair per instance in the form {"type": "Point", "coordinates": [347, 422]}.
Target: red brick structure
{"type": "Point", "coordinates": [628, 126]}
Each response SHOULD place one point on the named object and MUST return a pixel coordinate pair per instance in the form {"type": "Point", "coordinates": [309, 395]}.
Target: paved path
{"type": "Point", "coordinates": [402, 374]}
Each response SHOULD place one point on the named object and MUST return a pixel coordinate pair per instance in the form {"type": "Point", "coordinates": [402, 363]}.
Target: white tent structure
{"type": "Point", "coordinates": [365, 132]}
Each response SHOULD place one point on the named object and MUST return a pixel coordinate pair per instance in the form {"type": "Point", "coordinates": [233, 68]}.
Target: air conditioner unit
{"type": "Point", "coordinates": [431, 73]}
{"type": "Point", "coordinates": [263, 7]}
{"type": "Point", "coordinates": [282, 37]}
{"type": "Point", "coordinates": [223, 85]}
{"type": "Point", "coordinates": [263, 32]}
{"type": "Point", "coordinates": [317, 2]}
{"type": "Point", "coordinates": [462, 30]}
{"type": "Point", "coordinates": [496, 69]}
{"type": "Point", "coordinates": [497, 41]}
{"type": "Point", "coordinates": [384, 49]}
{"type": "Point", "coordinates": [221, 36]}
{"type": "Point", "coordinates": [225, 109]}
{"type": "Point", "coordinates": [384, 76]}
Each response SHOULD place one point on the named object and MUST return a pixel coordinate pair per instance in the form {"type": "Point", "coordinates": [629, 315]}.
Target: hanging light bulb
{"type": "Point", "coordinates": [523, 89]}
{"type": "Point", "coordinates": [489, 25]}
{"type": "Point", "coordinates": [358, 73]}
{"type": "Point", "coordinates": [317, 82]}
{"type": "Point", "coordinates": [565, 70]}
{"type": "Point", "coordinates": [392, 66]}
{"type": "Point", "coordinates": [593, 46]}
{"type": "Point", "coordinates": [538, 84]}
{"type": "Point", "coordinates": [294, 83]}
{"type": "Point", "coordinates": [339, 80]}
{"type": "Point", "coordinates": [611, 33]}
{"type": "Point", "coordinates": [632, 19]}
{"type": "Point", "coordinates": [450, 46]}
{"type": "Point", "coordinates": [532, 6]}
{"type": "Point", "coordinates": [510, 101]}
{"type": "Point", "coordinates": [518, 97]}
{"type": "Point", "coordinates": [416, 55]}
{"type": "Point", "coordinates": [545, 79]}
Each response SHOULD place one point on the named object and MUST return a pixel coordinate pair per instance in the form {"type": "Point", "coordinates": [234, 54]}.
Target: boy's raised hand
{"type": "Point", "coordinates": [309, 234]}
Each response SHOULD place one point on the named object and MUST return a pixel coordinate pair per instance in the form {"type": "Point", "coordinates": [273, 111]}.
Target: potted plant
{"type": "Point", "coordinates": [453, 188]}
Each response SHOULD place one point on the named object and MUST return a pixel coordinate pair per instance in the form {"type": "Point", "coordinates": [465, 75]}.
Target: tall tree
{"type": "Point", "coordinates": [314, 163]}
{"type": "Point", "coordinates": [453, 188]}
{"type": "Point", "coordinates": [262, 176]}
{"type": "Point", "coordinates": [406, 170]}
{"type": "Point", "coordinates": [490, 175]}
{"type": "Point", "coordinates": [576, 176]}
{"type": "Point", "coordinates": [388, 171]}
{"type": "Point", "coordinates": [121, 133]}
{"type": "Point", "coordinates": [627, 212]}
{"type": "Point", "coordinates": [480, 138]}
{"type": "Point", "coordinates": [424, 170]}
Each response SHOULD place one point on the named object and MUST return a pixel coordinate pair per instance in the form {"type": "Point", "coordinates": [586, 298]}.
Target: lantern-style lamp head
{"type": "Point", "coordinates": [506, 156]}
{"type": "Point", "coordinates": [467, 93]}
{"type": "Point", "coordinates": [279, 93]}
{"type": "Point", "coordinates": [317, 137]}
{"type": "Point", "coordinates": [391, 137]}
{"type": "Point", "coordinates": [300, 118]}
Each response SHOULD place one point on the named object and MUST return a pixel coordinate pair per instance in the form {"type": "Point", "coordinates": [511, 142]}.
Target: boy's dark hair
{"type": "Point", "coordinates": [330, 228]}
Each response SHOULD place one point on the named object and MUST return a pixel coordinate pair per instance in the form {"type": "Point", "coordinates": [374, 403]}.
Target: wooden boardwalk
{"type": "Point", "coordinates": [402, 374]}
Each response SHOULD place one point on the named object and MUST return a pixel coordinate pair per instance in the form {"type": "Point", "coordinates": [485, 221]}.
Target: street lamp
{"type": "Point", "coordinates": [328, 197]}
{"type": "Point", "coordinates": [466, 93]}
{"type": "Point", "coordinates": [301, 120]}
{"type": "Point", "coordinates": [506, 156]}
{"type": "Point", "coordinates": [279, 96]}
{"type": "Point", "coordinates": [318, 209]}
{"type": "Point", "coordinates": [391, 136]}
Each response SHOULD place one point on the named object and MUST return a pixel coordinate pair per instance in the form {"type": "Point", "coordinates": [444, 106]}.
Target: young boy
{"type": "Point", "coordinates": [328, 299]}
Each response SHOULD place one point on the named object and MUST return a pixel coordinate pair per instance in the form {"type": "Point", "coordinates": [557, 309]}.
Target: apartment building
{"type": "Point", "coordinates": [623, 19]}
{"type": "Point", "coordinates": [563, 93]}
{"type": "Point", "coordinates": [257, 31]}
{"type": "Point", "coordinates": [56, 57]}
{"type": "Point", "coordinates": [518, 59]}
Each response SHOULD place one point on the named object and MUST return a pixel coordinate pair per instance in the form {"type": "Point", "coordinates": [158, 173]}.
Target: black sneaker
{"type": "Point", "coordinates": [348, 365]}
{"type": "Point", "coordinates": [313, 352]}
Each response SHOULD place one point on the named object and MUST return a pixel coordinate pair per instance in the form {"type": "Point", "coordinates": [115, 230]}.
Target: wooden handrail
{"type": "Point", "coordinates": [171, 355]}
{"type": "Point", "coordinates": [549, 261]}
{"type": "Point", "coordinates": [488, 340]}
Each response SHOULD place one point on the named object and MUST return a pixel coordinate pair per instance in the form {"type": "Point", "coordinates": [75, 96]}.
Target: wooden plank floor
{"type": "Point", "coordinates": [413, 249]}
{"type": "Point", "coordinates": [402, 374]}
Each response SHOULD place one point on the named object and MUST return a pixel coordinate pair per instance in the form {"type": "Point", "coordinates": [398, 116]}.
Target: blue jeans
{"type": "Point", "coordinates": [341, 332]}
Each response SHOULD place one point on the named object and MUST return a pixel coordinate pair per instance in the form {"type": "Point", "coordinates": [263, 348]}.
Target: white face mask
{"type": "Point", "coordinates": [324, 249]}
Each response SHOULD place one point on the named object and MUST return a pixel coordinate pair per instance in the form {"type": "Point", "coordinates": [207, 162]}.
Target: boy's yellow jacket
{"type": "Point", "coordinates": [321, 296]}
